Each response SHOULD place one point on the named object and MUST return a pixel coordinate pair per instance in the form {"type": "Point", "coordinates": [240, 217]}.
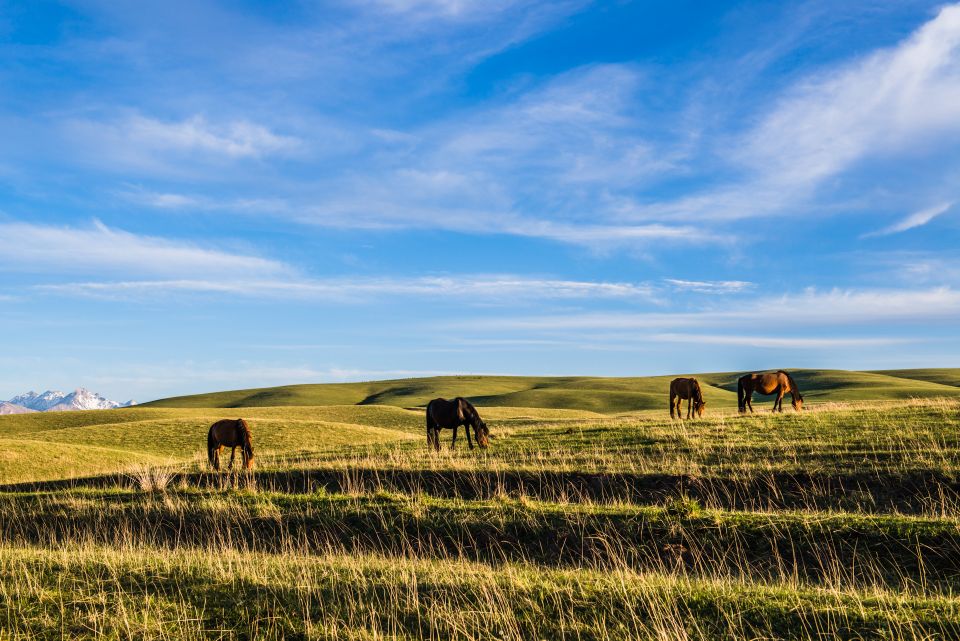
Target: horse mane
{"type": "Point", "coordinates": [469, 410]}
{"type": "Point", "coordinates": [247, 437]}
{"type": "Point", "coordinates": [696, 386]}
{"type": "Point", "coordinates": [793, 385]}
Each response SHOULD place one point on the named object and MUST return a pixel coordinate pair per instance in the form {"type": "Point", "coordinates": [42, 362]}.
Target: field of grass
{"type": "Point", "coordinates": [587, 523]}
{"type": "Point", "coordinates": [605, 395]}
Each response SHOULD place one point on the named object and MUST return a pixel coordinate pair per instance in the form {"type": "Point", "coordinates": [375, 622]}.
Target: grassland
{"type": "Point", "coordinates": [604, 395]}
{"type": "Point", "coordinates": [590, 522]}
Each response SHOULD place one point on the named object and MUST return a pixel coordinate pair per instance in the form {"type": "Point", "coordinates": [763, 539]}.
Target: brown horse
{"type": "Point", "coordinates": [442, 414]}
{"type": "Point", "coordinates": [233, 434]}
{"type": "Point", "coordinates": [686, 389]}
{"type": "Point", "coordinates": [778, 383]}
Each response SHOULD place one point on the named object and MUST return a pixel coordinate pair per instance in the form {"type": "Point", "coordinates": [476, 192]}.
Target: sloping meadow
{"type": "Point", "coordinates": [840, 522]}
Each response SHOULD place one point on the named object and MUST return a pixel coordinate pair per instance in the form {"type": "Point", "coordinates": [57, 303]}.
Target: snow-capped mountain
{"type": "Point", "coordinates": [56, 401]}
{"type": "Point", "coordinates": [10, 408]}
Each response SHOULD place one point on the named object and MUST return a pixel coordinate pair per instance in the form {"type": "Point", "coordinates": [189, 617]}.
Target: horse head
{"type": "Point", "coordinates": [699, 407]}
{"type": "Point", "coordinates": [482, 432]}
{"type": "Point", "coordinates": [797, 402]}
{"type": "Point", "coordinates": [247, 444]}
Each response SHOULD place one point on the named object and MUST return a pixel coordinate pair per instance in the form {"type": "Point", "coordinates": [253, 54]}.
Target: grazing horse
{"type": "Point", "coordinates": [778, 383]}
{"type": "Point", "coordinates": [233, 434]}
{"type": "Point", "coordinates": [686, 389]}
{"type": "Point", "coordinates": [442, 413]}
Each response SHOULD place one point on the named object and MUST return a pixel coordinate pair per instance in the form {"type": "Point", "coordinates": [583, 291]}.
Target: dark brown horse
{"type": "Point", "coordinates": [444, 414]}
{"type": "Point", "coordinates": [233, 434]}
{"type": "Point", "coordinates": [778, 383]}
{"type": "Point", "coordinates": [686, 389]}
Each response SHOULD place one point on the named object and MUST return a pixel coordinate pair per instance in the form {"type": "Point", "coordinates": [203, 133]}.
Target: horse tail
{"type": "Point", "coordinates": [211, 448]}
{"type": "Point", "coordinates": [741, 395]}
{"type": "Point", "coordinates": [431, 426]}
{"type": "Point", "coordinates": [430, 422]}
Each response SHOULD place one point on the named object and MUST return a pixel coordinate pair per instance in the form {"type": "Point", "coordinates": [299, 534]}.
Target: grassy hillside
{"type": "Point", "coordinates": [51, 445]}
{"type": "Point", "coordinates": [842, 522]}
{"type": "Point", "coordinates": [941, 375]}
{"type": "Point", "coordinates": [606, 395]}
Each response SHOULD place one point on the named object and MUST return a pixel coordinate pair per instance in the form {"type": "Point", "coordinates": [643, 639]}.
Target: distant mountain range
{"type": "Point", "coordinates": [56, 401]}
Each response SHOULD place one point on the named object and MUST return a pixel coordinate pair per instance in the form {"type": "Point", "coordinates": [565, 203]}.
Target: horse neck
{"type": "Point", "coordinates": [791, 386]}
{"type": "Point", "coordinates": [244, 431]}
{"type": "Point", "coordinates": [469, 414]}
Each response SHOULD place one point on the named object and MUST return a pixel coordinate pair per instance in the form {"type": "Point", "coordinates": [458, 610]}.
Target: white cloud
{"type": "Point", "coordinates": [485, 288]}
{"type": "Point", "coordinates": [146, 142]}
{"type": "Point", "coordinates": [582, 127]}
{"type": "Point", "coordinates": [710, 286]}
{"type": "Point", "coordinates": [168, 201]}
{"type": "Point", "coordinates": [100, 249]}
{"type": "Point", "coordinates": [238, 138]}
{"type": "Point", "coordinates": [557, 149]}
{"type": "Point", "coordinates": [775, 342]}
{"type": "Point", "coordinates": [897, 101]}
{"type": "Point", "coordinates": [916, 219]}
{"type": "Point", "coordinates": [797, 311]}
{"type": "Point", "coordinates": [443, 8]}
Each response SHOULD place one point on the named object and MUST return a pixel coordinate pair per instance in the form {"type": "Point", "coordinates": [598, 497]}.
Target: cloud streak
{"type": "Point", "coordinates": [914, 220]}
{"type": "Point", "coordinates": [358, 290]}
{"type": "Point", "coordinates": [775, 342]}
{"type": "Point", "coordinates": [896, 101]}
{"type": "Point", "coordinates": [831, 308]}
{"type": "Point", "coordinates": [100, 249]}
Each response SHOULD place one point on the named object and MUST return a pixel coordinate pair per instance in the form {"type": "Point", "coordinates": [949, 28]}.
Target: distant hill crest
{"type": "Point", "coordinates": [56, 401]}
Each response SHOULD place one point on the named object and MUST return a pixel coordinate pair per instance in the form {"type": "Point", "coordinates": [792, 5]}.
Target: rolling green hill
{"type": "Point", "coordinates": [605, 395]}
{"type": "Point", "coordinates": [942, 375]}
{"type": "Point", "coordinates": [51, 445]}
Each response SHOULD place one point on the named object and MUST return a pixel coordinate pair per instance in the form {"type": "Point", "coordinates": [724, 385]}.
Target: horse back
{"type": "Point", "coordinates": [769, 383]}
{"type": "Point", "coordinates": [444, 413]}
{"type": "Point", "coordinates": [226, 432]}
{"type": "Point", "coordinates": [683, 387]}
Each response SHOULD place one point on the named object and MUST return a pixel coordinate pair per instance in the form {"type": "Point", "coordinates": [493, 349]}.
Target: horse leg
{"type": "Point", "coordinates": [453, 443]}
{"type": "Point", "coordinates": [466, 428]}
{"type": "Point", "coordinates": [216, 458]}
{"type": "Point", "coordinates": [433, 438]}
{"type": "Point", "coordinates": [778, 402]}
{"type": "Point", "coordinates": [750, 400]}
{"type": "Point", "coordinates": [673, 400]}
{"type": "Point", "coordinates": [233, 453]}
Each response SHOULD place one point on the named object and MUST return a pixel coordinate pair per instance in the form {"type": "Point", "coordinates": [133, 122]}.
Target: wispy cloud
{"type": "Point", "coordinates": [902, 99]}
{"type": "Point", "coordinates": [484, 172]}
{"type": "Point", "coordinates": [239, 138]}
{"type": "Point", "coordinates": [134, 141]}
{"type": "Point", "coordinates": [710, 286]}
{"type": "Point", "coordinates": [775, 342]}
{"type": "Point", "coordinates": [797, 311]}
{"type": "Point", "coordinates": [916, 219]}
{"type": "Point", "coordinates": [100, 249]}
{"type": "Point", "coordinates": [481, 288]}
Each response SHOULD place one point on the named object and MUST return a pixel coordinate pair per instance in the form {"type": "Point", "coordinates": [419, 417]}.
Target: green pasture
{"type": "Point", "coordinates": [592, 515]}
{"type": "Point", "coordinates": [604, 395]}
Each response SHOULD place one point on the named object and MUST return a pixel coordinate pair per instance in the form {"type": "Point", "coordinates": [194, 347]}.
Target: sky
{"type": "Point", "coordinates": [198, 196]}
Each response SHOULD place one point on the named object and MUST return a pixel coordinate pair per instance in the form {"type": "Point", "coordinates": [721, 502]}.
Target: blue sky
{"type": "Point", "coordinates": [199, 195]}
